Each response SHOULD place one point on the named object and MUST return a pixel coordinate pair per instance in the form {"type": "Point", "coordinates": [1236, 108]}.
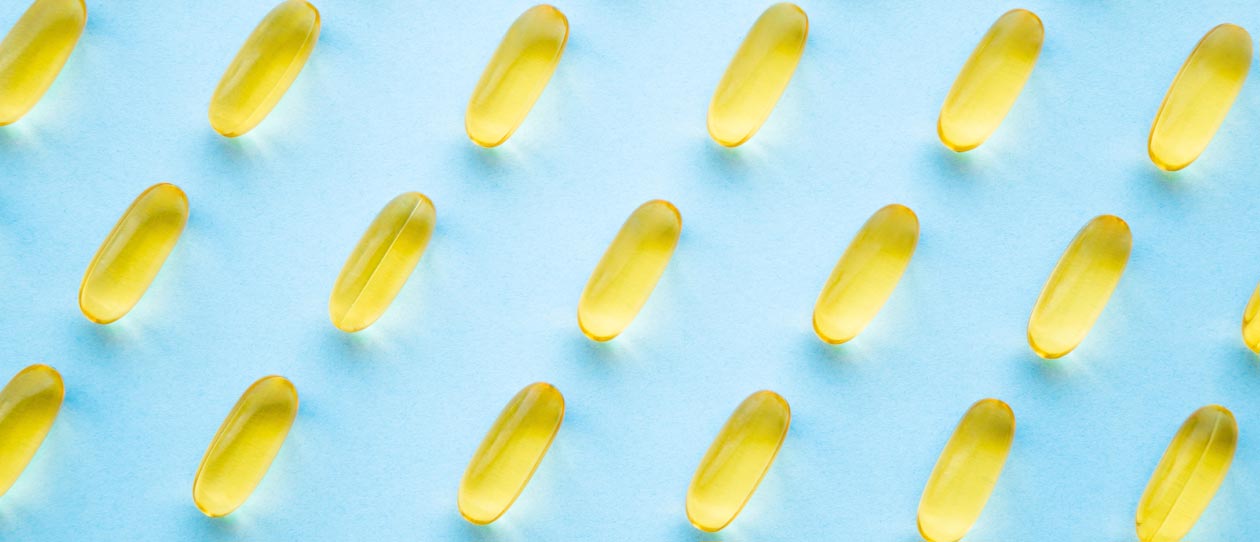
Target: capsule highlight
{"type": "Point", "coordinates": [1200, 97]}
{"type": "Point", "coordinates": [967, 471]}
{"type": "Point", "coordinates": [1250, 322]}
{"type": "Point", "coordinates": [510, 452]}
{"type": "Point", "coordinates": [1188, 475]}
{"type": "Point", "coordinates": [133, 253]}
{"type": "Point", "coordinates": [265, 67]}
{"type": "Point", "coordinates": [29, 404]}
{"type": "Point", "coordinates": [991, 80]}
{"type": "Point", "coordinates": [758, 74]}
{"type": "Point", "coordinates": [245, 446]}
{"type": "Point", "coordinates": [737, 460]}
{"type": "Point", "coordinates": [382, 261]}
{"type": "Point", "coordinates": [516, 75]}
{"type": "Point", "coordinates": [629, 270]}
{"type": "Point", "coordinates": [34, 51]}
{"type": "Point", "coordinates": [866, 274]}
{"type": "Point", "coordinates": [1079, 287]}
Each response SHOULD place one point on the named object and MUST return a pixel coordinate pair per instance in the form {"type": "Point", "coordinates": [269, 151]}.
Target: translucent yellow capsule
{"type": "Point", "coordinates": [629, 270]}
{"type": "Point", "coordinates": [1250, 323]}
{"type": "Point", "coordinates": [133, 253]}
{"type": "Point", "coordinates": [516, 75]}
{"type": "Point", "coordinates": [245, 446]}
{"type": "Point", "coordinates": [1200, 97]}
{"type": "Point", "coordinates": [266, 65]}
{"type": "Point", "coordinates": [381, 262]}
{"type": "Point", "coordinates": [1079, 287]}
{"type": "Point", "coordinates": [866, 274]}
{"type": "Point", "coordinates": [737, 460]}
{"type": "Point", "coordinates": [510, 453]}
{"type": "Point", "coordinates": [991, 80]}
{"type": "Point", "coordinates": [1193, 467]}
{"type": "Point", "coordinates": [966, 472]}
{"type": "Point", "coordinates": [758, 74]}
{"type": "Point", "coordinates": [34, 51]}
{"type": "Point", "coordinates": [29, 404]}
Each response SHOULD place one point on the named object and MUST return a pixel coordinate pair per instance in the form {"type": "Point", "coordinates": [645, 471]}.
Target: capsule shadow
{"type": "Point", "coordinates": [735, 165]}
{"type": "Point", "coordinates": [463, 531]}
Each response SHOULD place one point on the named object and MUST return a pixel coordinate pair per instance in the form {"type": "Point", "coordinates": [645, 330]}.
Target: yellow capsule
{"type": "Point", "coordinates": [29, 404]}
{"type": "Point", "coordinates": [758, 74]}
{"type": "Point", "coordinates": [966, 472]}
{"type": "Point", "coordinates": [1250, 323]}
{"type": "Point", "coordinates": [866, 274]}
{"type": "Point", "coordinates": [34, 51]}
{"type": "Point", "coordinates": [1193, 467]}
{"type": "Point", "coordinates": [1200, 97]}
{"type": "Point", "coordinates": [1079, 287]}
{"type": "Point", "coordinates": [516, 75]}
{"type": "Point", "coordinates": [991, 80]}
{"type": "Point", "coordinates": [133, 253]}
{"type": "Point", "coordinates": [737, 460]}
{"type": "Point", "coordinates": [381, 262]}
{"type": "Point", "coordinates": [510, 453]}
{"type": "Point", "coordinates": [629, 270]}
{"type": "Point", "coordinates": [266, 65]}
{"type": "Point", "coordinates": [245, 446]}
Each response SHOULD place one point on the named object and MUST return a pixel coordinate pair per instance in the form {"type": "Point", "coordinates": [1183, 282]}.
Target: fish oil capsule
{"type": "Point", "coordinates": [510, 453]}
{"type": "Point", "coordinates": [629, 270]}
{"type": "Point", "coordinates": [29, 404]}
{"type": "Point", "coordinates": [758, 74]}
{"type": "Point", "coordinates": [991, 80]}
{"type": "Point", "coordinates": [266, 65]}
{"type": "Point", "coordinates": [966, 472]}
{"type": "Point", "coordinates": [1188, 475]}
{"type": "Point", "coordinates": [1250, 323]}
{"type": "Point", "coordinates": [866, 274]}
{"type": "Point", "coordinates": [737, 460]}
{"type": "Point", "coordinates": [516, 75]}
{"type": "Point", "coordinates": [381, 262]}
{"type": "Point", "coordinates": [1200, 97]}
{"type": "Point", "coordinates": [133, 253]}
{"type": "Point", "coordinates": [245, 446]}
{"type": "Point", "coordinates": [1079, 287]}
{"type": "Point", "coordinates": [34, 51]}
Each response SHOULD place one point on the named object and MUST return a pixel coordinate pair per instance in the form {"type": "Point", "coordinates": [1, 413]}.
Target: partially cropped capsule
{"type": "Point", "coordinates": [382, 261]}
{"type": "Point", "coordinates": [133, 253]}
{"type": "Point", "coordinates": [866, 274]}
{"type": "Point", "coordinates": [34, 51]}
{"type": "Point", "coordinates": [991, 80]}
{"type": "Point", "coordinates": [29, 404]}
{"type": "Point", "coordinates": [758, 74]}
{"type": "Point", "coordinates": [1251, 321]}
{"type": "Point", "coordinates": [629, 270]}
{"type": "Point", "coordinates": [266, 65]}
{"type": "Point", "coordinates": [1079, 287]}
{"type": "Point", "coordinates": [245, 446]}
{"type": "Point", "coordinates": [516, 75]}
{"type": "Point", "coordinates": [967, 471]}
{"type": "Point", "coordinates": [1200, 97]}
{"type": "Point", "coordinates": [1188, 475]}
{"type": "Point", "coordinates": [739, 457]}
{"type": "Point", "coordinates": [510, 452]}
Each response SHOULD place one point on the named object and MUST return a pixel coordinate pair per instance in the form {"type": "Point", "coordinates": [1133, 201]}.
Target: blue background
{"type": "Point", "coordinates": [390, 416]}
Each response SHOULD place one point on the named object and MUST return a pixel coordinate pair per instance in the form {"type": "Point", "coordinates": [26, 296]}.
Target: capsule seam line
{"type": "Point", "coordinates": [376, 269]}
{"type": "Point", "coordinates": [1181, 494]}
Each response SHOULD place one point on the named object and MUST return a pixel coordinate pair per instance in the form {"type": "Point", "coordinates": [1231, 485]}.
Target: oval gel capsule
{"type": "Point", "coordinates": [510, 452]}
{"type": "Point", "coordinates": [381, 262]}
{"type": "Point", "coordinates": [1079, 287]}
{"type": "Point", "coordinates": [967, 471]}
{"type": "Point", "coordinates": [266, 65]}
{"type": "Point", "coordinates": [866, 274]}
{"type": "Point", "coordinates": [516, 75]}
{"type": "Point", "coordinates": [991, 80]}
{"type": "Point", "coordinates": [758, 74]}
{"type": "Point", "coordinates": [133, 253]}
{"type": "Point", "coordinates": [245, 446]}
{"type": "Point", "coordinates": [629, 270]}
{"type": "Point", "coordinates": [737, 460]}
{"type": "Point", "coordinates": [34, 51]}
{"type": "Point", "coordinates": [1200, 97]}
{"type": "Point", "coordinates": [29, 404]}
{"type": "Point", "coordinates": [1251, 321]}
{"type": "Point", "coordinates": [1188, 475]}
